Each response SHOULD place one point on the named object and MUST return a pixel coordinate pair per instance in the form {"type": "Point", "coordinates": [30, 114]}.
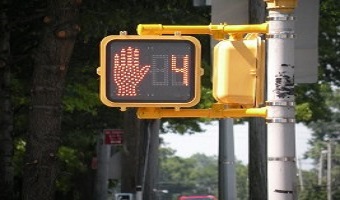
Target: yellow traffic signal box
{"type": "Point", "coordinates": [238, 72]}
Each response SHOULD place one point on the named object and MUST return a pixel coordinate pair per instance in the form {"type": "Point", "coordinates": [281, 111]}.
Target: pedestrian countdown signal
{"type": "Point", "coordinates": [150, 71]}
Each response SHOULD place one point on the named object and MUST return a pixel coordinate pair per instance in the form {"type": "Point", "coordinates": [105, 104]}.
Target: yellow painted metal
{"type": "Point", "coordinates": [260, 73]}
{"type": "Point", "coordinates": [214, 112]}
{"type": "Point", "coordinates": [102, 71]}
{"type": "Point", "coordinates": [282, 5]}
{"type": "Point", "coordinates": [238, 72]}
{"type": "Point", "coordinates": [217, 31]}
{"type": "Point", "coordinates": [236, 33]}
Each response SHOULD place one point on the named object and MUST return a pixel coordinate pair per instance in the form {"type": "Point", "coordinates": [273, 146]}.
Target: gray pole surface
{"type": "Point", "coordinates": [280, 102]}
{"type": "Point", "coordinates": [321, 167]}
{"type": "Point", "coordinates": [302, 186]}
{"type": "Point", "coordinates": [150, 184]}
{"type": "Point", "coordinates": [329, 170]}
{"type": "Point", "coordinates": [103, 156]}
{"type": "Point", "coordinates": [226, 159]}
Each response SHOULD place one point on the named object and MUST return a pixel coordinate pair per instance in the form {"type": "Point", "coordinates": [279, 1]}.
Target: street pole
{"type": "Point", "coordinates": [321, 167]}
{"type": "Point", "coordinates": [151, 166]}
{"type": "Point", "coordinates": [329, 167]}
{"type": "Point", "coordinates": [226, 159]}
{"type": "Point", "coordinates": [257, 167]}
{"type": "Point", "coordinates": [103, 156]}
{"type": "Point", "coordinates": [329, 170]}
{"type": "Point", "coordinates": [281, 167]}
{"type": "Point", "coordinates": [302, 187]}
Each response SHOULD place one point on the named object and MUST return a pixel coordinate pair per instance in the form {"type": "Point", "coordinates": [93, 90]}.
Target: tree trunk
{"type": "Point", "coordinates": [6, 112]}
{"type": "Point", "coordinates": [51, 64]}
{"type": "Point", "coordinates": [257, 167]}
{"type": "Point", "coordinates": [151, 188]}
{"type": "Point", "coordinates": [257, 129]}
{"type": "Point", "coordinates": [131, 149]}
{"type": "Point", "coordinates": [140, 155]}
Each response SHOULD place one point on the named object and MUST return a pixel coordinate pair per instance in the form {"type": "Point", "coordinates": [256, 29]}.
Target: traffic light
{"type": "Point", "coordinates": [150, 71]}
{"type": "Point", "coordinates": [238, 72]}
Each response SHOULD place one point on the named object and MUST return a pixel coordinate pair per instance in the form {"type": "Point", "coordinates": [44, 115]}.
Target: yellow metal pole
{"type": "Point", "coordinates": [284, 6]}
{"type": "Point", "coordinates": [157, 113]}
{"type": "Point", "coordinates": [215, 30]}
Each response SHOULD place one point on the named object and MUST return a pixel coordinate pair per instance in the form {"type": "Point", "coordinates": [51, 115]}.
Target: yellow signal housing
{"type": "Point", "coordinates": [239, 72]}
{"type": "Point", "coordinates": [150, 71]}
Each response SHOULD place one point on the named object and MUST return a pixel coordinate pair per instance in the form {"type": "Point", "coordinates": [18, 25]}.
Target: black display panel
{"type": "Point", "coordinates": [150, 71]}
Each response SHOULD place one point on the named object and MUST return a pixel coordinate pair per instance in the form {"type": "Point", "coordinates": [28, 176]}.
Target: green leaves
{"type": "Point", "coordinates": [329, 40]}
{"type": "Point", "coordinates": [197, 174]}
{"type": "Point", "coordinates": [81, 98]}
{"type": "Point", "coordinates": [311, 102]}
{"type": "Point", "coordinates": [69, 157]}
{"type": "Point", "coordinates": [304, 112]}
{"type": "Point", "coordinates": [71, 165]}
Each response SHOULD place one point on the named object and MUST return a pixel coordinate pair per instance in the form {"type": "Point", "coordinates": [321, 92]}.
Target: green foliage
{"type": "Point", "coordinates": [329, 40]}
{"type": "Point", "coordinates": [242, 183]}
{"type": "Point", "coordinates": [194, 175]}
{"type": "Point", "coordinates": [322, 131]}
{"type": "Point", "coordinates": [304, 112]}
{"type": "Point", "coordinates": [81, 98]}
{"type": "Point", "coordinates": [325, 129]}
{"type": "Point", "coordinates": [323, 98]}
{"type": "Point", "coordinates": [204, 174]}
{"type": "Point", "coordinates": [69, 156]}
{"type": "Point", "coordinates": [311, 103]}
{"type": "Point", "coordinates": [101, 18]}
{"type": "Point", "coordinates": [75, 180]}
{"type": "Point", "coordinates": [72, 165]}
{"type": "Point", "coordinates": [19, 151]}
{"type": "Point", "coordinates": [312, 191]}
{"type": "Point", "coordinates": [197, 174]}
{"type": "Point", "coordinates": [84, 116]}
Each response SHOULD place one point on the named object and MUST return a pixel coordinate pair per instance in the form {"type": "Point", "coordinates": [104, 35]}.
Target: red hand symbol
{"type": "Point", "coordinates": [127, 72]}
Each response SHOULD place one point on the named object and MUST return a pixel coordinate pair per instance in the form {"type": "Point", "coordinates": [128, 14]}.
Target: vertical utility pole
{"type": "Point", "coordinates": [151, 165]}
{"type": "Point", "coordinates": [302, 186]}
{"type": "Point", "coordinates": [281, 166]}
{"type": "Point", "coordinates": [329, 167]}
{"type": "Point", "coordinates": [103, 156]}
{"type": "Point", "coordinates": [321, 167]}
{"type": "Point", "coordinates": [329, 170]}
{"type": "Point", "coordinates": [226, 159]}
{"type": "Point", "coordinates": [131, 154]}
{"type": "Point", "coordinates": [257, 167]}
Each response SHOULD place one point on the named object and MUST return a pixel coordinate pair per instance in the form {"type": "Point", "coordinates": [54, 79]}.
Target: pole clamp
{"type": "Point", "coordinates": [229, 162]}
{"type": "Point", "coordinates": [282, 159]}
{"type": "Point", "coordinates": [280, 120]}
{"type": "Point", "coordinates": [282, 18]}
{"type": "Point", "coordinates": [280, 103]}
{"type": "Point", "coordinates": [282, 35]}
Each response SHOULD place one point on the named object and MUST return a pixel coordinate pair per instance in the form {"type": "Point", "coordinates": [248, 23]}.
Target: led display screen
{"type": "Point", "coordinates": [150, 71]}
